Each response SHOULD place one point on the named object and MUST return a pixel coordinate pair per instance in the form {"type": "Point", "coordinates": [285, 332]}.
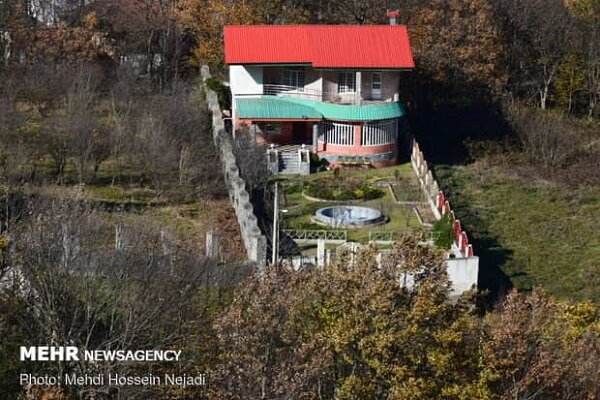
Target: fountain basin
{"type": "Point", "coordinates": [348, 216]}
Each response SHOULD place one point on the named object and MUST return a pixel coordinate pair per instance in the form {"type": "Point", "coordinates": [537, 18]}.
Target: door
{"type": "Point", "coordinates": [376, 85]}
{"type": "Point", "coordinates": [299, 132]}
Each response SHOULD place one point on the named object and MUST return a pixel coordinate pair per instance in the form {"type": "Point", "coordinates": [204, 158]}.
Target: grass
{"type": "Point", "coordinates": [401, 217]}
{"type": "Point", "coordinates": [528, 233]}
{"type": "Point", "coordinates": [120, 195]}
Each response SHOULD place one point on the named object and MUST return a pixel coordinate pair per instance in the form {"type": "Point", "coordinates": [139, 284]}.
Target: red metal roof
{"type": "Point", "coordinates": [323, 46]}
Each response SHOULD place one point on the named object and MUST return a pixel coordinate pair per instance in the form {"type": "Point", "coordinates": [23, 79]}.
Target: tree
{"type": "Point", "coordinates": [570, 79]}
{"type": "Point", "coordinates": [466, 66]}
{"type": "Point", "coordinates": [172, 145]}
{"type": "Point", "coordinates": [83, 287]}
{"type": "Point", "coordinates": [547, 140]}
{"type": "Point", "coordinates": [541, 348]}
{"type": "Point", "coordinates": [205, 20]}
{"type": "Point", "coordinates": [350, 330]}
{"type": "Point", "coordinates": [536, 43]}
{"type": "Point", "coordinates": [588, 12]}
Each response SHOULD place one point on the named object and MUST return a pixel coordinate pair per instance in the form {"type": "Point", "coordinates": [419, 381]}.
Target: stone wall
{"type": "Point", "coordinates": [254, 241]}
{"type": "Point", "coordinates": [463, 265]}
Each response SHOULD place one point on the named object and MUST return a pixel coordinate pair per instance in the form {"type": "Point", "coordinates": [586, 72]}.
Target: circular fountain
{"type": "Point", "coordinates": [348, 216]}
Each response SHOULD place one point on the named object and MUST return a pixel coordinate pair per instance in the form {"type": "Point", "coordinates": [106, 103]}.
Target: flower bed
{"type": "Point", "coordinates": [341, 189]}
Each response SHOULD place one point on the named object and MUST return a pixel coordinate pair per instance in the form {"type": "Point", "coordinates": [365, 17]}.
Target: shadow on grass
{"type": "Point", "coordinates": [492, 256]}
{"type": "Point", "coordinates": [444, 134]}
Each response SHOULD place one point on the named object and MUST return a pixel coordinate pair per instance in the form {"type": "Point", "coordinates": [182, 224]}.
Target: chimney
{"type": "Point", "coordinates": [392, 16]}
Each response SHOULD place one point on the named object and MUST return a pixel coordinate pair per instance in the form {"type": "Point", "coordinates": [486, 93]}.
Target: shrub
{"type": "Point", "coordinates": [443, 234]}
{"type": "Point", "coordinates": [222, 92]}
{"type": "Point", "coordinates": [547, 139]}
{"type": "Point", "coordinates": [342, 189]}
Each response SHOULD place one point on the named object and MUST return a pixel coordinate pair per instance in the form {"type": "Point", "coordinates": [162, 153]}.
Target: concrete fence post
{"type": "Point", "coordinates": [212, 245]}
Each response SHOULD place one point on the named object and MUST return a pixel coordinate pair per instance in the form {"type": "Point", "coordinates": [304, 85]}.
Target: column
{"type": "Point", "coordinates": [315, 137]}
{"type": "Point", "coordinates": [358, 87]}
{"type": "Point", "coordinates": [357, 135]}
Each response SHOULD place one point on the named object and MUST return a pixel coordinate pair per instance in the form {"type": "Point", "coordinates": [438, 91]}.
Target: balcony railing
{"type": "Point", "coordinates": [293, 91]}
{"type": "Point", "coordinates": [350, 98]}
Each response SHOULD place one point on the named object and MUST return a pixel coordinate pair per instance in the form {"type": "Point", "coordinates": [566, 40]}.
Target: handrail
{"type": "Point", "coordinates": [308, 234]}
{"type": "Point", "coordinates": [350, 98]}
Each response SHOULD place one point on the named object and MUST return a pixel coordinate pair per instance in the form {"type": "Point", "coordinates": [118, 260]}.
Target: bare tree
{"type": "Point", "coordinates": [547, 140]}
{"type": "Point", "coordinates": [82, 288]}
{"type": "Point", "coordinates": [252, 162]}
{"type": "Point", "coordinates": [538, 33]}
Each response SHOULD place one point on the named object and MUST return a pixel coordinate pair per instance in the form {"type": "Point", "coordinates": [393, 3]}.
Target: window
{"type": "Point", "coordinates": [294, 77]}
{"type": "Point", "coordinates": [272, 129]}
{"type": "Point", "coordinates": [346, 82]}
{"type": "Point", "coordinates": [376, 85]}
{"type": "Point", "coordinates": [376, 80]}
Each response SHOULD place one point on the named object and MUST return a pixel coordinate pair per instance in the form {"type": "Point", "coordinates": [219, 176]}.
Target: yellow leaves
{"type": "Point", "coordinates": [65, 44]}
{"type": "Point", "coordinates": [206, 18]}
{"type": "Point", "coordinates": [570, 78]}
{"type": "Point", "coordinates": [586, 10]}
{"type": "Point", "coordinates": [470, 45]}
{"type": "Point", "coordinates": [413, 389]}
{"type": "Point", "coordinates": [30, 128]}
{"type": "Point", "coordinates": [582, 318]}
{"type": "Point", "coordinates": [354, 388]}
{"type": "Point", "coordinates": [90, 20]}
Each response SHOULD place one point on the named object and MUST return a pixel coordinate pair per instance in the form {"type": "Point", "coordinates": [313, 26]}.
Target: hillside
{"type": "Point", "coordinates": [528, 232]}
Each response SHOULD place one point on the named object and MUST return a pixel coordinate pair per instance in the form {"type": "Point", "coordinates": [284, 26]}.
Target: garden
{"type": "Point", "coordinates": [393, 191]}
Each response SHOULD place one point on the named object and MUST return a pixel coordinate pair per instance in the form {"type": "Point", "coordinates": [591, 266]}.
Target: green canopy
{"type": "Point", "coordinates": [279, 107]}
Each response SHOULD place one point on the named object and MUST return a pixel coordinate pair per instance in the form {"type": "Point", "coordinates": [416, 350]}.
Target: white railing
{"type": "Point", "coordinates": [292, 91]}
{"type": "Point", "coordinates": [336, 133]}
{"type": "Point", "coordinates": [308, 235]}
{"type": "Point", "coordinates": [392, 236]}
{"type": "Point", "coordinates": [350, 98]}
{"type": "Point", "coordinates": [379, 132]}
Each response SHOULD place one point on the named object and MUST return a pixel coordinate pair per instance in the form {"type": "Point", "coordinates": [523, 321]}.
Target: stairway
{"type": "Point", "coordinates": [291, 159]}
{"type": "Point", "coordinates": [288, 163]}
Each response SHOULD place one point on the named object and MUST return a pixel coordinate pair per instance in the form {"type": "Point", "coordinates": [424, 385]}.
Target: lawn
{"type": "Point", "coordinates": [528, 233]}
{"type": "Point", "coordinates": [401, 216]}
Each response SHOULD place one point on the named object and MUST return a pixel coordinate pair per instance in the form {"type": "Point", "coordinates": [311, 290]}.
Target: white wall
{"type": "Point", "coordinates": [246, 79]}
{"type": "Point", "coordinates": [462, 272]}
{"type": "Point", "coordinates": [314, 82]}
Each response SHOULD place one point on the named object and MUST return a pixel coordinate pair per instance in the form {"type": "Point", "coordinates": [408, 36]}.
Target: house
{"type": "Point", "coordinates": [334, 88]}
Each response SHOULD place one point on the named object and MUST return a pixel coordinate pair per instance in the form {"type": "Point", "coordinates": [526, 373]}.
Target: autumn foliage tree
{"type": "Point", "coordinates": [351, 330]}
{"type": "Point", "coordinates": [359, 330]}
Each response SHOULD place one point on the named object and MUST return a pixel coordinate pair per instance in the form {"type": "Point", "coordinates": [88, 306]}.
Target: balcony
{"type": "Point", "coordinates": [348, 98]}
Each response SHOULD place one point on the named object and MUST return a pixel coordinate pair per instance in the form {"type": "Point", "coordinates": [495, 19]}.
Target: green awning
{"type": "Point", "coordinates": [276, 107]}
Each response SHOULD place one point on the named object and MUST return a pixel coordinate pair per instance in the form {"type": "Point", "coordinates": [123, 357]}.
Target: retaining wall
{"type": "Point", "coordinates": [254, 241]}
{"type": "Point", "coordinates": [463, 265]}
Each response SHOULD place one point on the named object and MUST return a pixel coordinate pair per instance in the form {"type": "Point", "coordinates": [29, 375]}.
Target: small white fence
{"type": "Point", "coordinates": [313, 236]}
{"type": "Point", "coordinates": [336, 133]}
{"type": "Point", "coordinates": [378, 133]}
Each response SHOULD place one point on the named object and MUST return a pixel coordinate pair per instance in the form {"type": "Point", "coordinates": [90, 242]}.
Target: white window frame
{"type": "Point", "coordinates": [376, 87]}
{"type": "Point", "coordinates": [294, 77]}
{"type": "Point", "coordinates": [347, 82]}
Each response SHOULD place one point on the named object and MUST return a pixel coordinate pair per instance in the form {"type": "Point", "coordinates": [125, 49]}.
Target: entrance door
{"type": "Point", "coordinates": [299, 132]}
{"type": "Point", "coordinates": [376, 85]}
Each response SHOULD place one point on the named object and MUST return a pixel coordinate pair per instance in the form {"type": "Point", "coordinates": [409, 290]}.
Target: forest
{"type": "Point", "coordinates": [109, 182]}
